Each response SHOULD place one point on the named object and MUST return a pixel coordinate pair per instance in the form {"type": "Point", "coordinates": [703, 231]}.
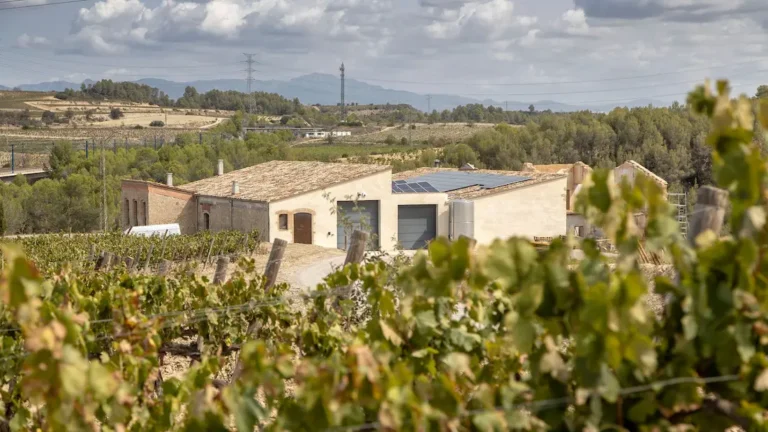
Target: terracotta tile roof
{"type": "Point", "coordinates": [646, 171]}
{"type": "Point", "coordinates": [477, 191]}
{"type": "Point", "coordinates": [276, 180]}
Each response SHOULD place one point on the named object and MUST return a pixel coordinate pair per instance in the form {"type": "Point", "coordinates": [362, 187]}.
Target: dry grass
{"type": "Point", "coordinates": [438, 132]}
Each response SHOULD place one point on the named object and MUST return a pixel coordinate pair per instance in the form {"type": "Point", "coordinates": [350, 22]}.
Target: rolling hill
{"type": "Point", "coordinates": [324, 89]}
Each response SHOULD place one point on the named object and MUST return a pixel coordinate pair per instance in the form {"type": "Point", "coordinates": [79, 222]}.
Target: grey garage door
{"type": "Point", "coordinates": [416, 225]}
{"type": "Point", "coordinates": [363, 215]}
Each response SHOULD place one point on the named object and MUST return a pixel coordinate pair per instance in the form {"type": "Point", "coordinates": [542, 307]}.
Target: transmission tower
{"type": "Point", "coordinates": [249, 61]}
{"type": "Point", "coordinates": [343, 106]}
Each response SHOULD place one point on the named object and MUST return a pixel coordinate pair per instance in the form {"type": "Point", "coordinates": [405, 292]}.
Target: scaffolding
{"type": "Point", "coordinates": [680, 202]}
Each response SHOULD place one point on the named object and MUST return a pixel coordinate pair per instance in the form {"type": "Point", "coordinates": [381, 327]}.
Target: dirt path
{"type": "Point", "coordinates": [302, 265]}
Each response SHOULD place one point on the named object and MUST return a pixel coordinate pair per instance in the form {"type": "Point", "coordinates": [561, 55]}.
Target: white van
{"type": "Point", "coordinates": [150, 230]}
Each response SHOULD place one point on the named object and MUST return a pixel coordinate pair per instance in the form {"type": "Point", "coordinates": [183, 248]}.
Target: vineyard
{"type": "Point", "coordinates": [50, 251]}
{"type": "Point", "coordinates": [506, 337]}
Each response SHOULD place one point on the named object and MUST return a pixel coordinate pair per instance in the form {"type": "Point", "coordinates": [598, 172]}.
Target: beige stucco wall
{"type": "Point", "coordinates": [535, 211]}
{"type": "Point", "coordinates": [377, 187]}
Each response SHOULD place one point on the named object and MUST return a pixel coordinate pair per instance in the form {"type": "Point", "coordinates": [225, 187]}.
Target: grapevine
{"type": "Point", "coordinates": [506, 337]}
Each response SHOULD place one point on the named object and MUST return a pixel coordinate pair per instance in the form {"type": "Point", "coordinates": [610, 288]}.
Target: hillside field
{"type": "Point", "coordinates": [436, 133]}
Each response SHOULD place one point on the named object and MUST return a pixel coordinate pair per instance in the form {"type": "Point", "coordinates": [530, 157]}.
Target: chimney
{"type": "Point", "coordinates": [169, 179]}
{"type": "Point", "coordinates": [235, 188]}
{"type": "Point", "coordinates": [437, 163]}
{"type": "Point", "coordinates": [220, 170]}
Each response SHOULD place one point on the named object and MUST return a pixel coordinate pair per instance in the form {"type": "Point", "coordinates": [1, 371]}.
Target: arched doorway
{"type": "Point", "coordinates": [302, 228]}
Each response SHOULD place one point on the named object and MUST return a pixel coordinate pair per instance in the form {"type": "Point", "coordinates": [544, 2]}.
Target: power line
{"type": "Point", "coordinates": [343, 106]}
{"type": "Point", "coordinates": [44, 5]}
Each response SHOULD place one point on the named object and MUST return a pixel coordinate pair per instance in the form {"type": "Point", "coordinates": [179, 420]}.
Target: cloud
{"type": "Point", "coordinates": [670, 10]}
{"type": "Point", "coordinates": [27, 41]}
{"type": "Point", "coordinates": [114, 26]}
{"type": "Point", "coordinates": [575, 22]}
{"type": "Point", "coordinates": [476, 20]}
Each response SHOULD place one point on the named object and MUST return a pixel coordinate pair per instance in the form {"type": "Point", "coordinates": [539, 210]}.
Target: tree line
{"type": "Point", "coordinates": [231, 100]}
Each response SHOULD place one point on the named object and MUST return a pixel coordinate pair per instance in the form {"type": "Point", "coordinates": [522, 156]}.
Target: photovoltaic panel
{"type": "Point", "coordinates": [445, 181]}
{"type": "Point", "coordinates": [400, 181]}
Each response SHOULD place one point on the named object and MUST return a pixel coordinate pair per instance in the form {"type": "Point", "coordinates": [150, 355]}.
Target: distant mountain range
{"type": "Point", "coordinates": [324, 89]}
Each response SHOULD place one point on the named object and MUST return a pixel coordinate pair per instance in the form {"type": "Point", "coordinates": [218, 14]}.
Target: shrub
{"type": "Point", "coordinates": [391, 140]}
{"type": "Point", "coordinates": [48, 117]}
{"type": "Point", "coordinates": [116, 113]}
{"type": "Point", "coordinates": [404, 141]}
{"type": "Point", "coordinates": [157, 123]}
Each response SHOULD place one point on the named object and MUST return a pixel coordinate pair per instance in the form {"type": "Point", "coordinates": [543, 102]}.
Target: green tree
{"type": "Point", "coordinates": [116, 113]}
{"type": "Point", "coordinates": [459, 154]}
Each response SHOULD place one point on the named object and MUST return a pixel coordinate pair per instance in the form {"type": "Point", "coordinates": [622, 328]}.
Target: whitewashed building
{"type": "Point", "coordinates": [321, 203]}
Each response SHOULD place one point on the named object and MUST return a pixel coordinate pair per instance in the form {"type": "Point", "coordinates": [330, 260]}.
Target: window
{"type": "Point", "coordinates": [127, 213]}
{"type": "Point", "coordinates": [135, 212]}
{"type": "Point", "coordinates": [146, 214]}
{"type": "Point", "coordinates": [579, 231]}
{"type": "Point", "coordinates": [207, 221]}
{"type": "Point", "coordinates": [283, 221]}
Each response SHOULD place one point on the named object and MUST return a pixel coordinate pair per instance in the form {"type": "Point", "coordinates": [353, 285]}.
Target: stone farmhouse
{"type": "Point", "coordinates": [320, 203]}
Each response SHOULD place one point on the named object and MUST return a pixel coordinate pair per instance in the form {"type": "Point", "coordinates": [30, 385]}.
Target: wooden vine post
{"type": "Point", "coordinates": [220, 275]}
{"type": "Point", "coordinates": [210, 249]}
{"type": "Point", "coordinates": [149, 256]}
{"type": "Point", "coordinates": [355, 255]}
{"type": "Point", "coordinates": [270, 274]}
{"type": "Point", "coordinates": [709, 212]}
{"type": "Point", "coordinates": [274, 261]}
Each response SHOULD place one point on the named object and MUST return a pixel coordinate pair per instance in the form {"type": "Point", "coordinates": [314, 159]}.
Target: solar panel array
{"type": "Point", "coordinates": [446, 181]}
{"type": "Point", "coordinates": [402, 186]}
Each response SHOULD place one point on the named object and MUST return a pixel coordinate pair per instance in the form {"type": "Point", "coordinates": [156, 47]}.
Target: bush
{"type": "Point", "coordinates": [116, 113]}
{"type": "Point", "coordinates": [157, 123]}
{"type": "Point", "coordinates": [138, 127]}
{"type": "Point", "coordinates": [48, 117]}
{"type": "Point", "coordinates": [391, 140]}
{"type": "Point", "coordinates": [404, 141]}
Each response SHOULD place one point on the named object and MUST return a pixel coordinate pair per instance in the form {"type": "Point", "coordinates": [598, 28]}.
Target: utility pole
{"type": "Point", "coordinates": [104, 187]}
{"type": "Point", "coordinates": [429, 104]}
{"type": "Point", "coordinates": [249, 81]}
{"type": "Point", "coordinates": [343, 107]}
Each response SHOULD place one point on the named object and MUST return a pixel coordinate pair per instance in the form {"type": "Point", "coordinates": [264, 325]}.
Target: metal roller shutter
{"type": "Point", "coordinates": [416, 225]}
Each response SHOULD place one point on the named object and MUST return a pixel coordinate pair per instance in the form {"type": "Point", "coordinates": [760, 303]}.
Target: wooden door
{"type": "Point", "coordinates": [302, 228]}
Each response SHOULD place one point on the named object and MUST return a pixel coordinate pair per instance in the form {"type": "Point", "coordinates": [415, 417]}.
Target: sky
{"type": "Point", "coordinates": [571, 51]}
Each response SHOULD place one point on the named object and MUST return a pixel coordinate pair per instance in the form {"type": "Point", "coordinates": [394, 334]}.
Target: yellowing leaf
{"type": "Point", "coordinates": [761, 383]}
{"type": "Point", "coordinates": [390, 334]}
